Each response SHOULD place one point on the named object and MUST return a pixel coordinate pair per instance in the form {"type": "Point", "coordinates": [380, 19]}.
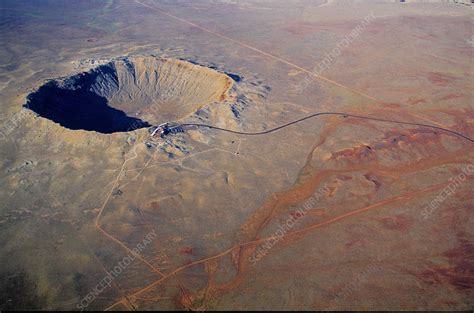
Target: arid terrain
{"type": "Point", "coordinates": [365, 202]}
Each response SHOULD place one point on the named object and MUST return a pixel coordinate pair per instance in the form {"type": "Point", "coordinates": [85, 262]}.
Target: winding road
{"type": "Point", "coordinates": [326, 113]}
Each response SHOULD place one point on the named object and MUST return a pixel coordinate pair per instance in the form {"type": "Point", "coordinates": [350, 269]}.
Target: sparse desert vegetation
{"type": "Point", "coordinates": [236, 155]}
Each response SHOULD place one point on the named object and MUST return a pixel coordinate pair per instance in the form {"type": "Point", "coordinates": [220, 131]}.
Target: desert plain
{"type": "Point", "coordinates": [370, 208]}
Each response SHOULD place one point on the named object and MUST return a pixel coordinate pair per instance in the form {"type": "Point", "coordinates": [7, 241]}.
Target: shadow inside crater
{"type": "Point", "coordinates": [75, 106]}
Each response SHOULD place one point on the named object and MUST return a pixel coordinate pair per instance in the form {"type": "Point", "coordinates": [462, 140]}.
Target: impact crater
{"type": "Point", "coordinates": [130, 93]}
